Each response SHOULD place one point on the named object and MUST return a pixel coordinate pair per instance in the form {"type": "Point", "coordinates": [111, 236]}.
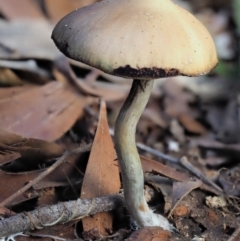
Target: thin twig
{"type": "Point", "coordinates": [82, 148]}
{"type": "Point", "coordinates": [59, 213]}
{"type": "Point", "coordinates": [157, 153]}
{"type": "Point", "coordinates": [235, 236]}
{"type": "Point", "coordinates": [184, 161]}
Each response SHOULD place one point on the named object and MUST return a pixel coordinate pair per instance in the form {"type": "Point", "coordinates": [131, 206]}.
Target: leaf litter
{"type": "Point", "coordinates": [49, 107]}
{"type": "Point", "coordinates": [102, 169]}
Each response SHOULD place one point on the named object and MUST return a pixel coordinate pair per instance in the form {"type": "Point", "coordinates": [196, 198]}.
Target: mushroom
{"type": "Point", "coordinates": [143, 40]}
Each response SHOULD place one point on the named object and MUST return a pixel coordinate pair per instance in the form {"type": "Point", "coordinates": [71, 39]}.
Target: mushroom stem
{"type": "Point", "coordinates": [128, 157]}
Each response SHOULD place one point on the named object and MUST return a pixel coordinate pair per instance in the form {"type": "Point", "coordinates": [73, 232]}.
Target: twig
{"type": "Point", "coordinates": [184, 161]}
{"type": "Point", "coordinates": [82, 148]}
{"type": "Point", "coordinates": [157, 153]}
{"type": "Point", "coordinates": [235, 236]}
{"type": "Point", "coordinates": [42, 216]}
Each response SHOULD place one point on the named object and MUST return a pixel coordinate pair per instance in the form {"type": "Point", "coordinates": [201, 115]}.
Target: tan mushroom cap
{"type": "Point", "coordinates": [140, 39]}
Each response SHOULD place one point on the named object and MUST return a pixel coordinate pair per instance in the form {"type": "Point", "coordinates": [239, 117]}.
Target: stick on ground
{"type": "Point", "coordinates": [59, 213]}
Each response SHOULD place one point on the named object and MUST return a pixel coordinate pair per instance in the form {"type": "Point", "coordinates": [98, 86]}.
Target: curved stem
{"type": "Point", "coordinates": [128, 158]}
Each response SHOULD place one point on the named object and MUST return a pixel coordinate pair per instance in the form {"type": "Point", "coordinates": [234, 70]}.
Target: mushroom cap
{"type": "Point", "coordinates": [138, 39]}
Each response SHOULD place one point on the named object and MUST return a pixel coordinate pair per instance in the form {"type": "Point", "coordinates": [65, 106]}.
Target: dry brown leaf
{"type": "Point", "coordinates": [46, 112]}
{"type": "Point", "coordinates": [181, 189]}
{"type": "Point", "coordinates": [11, 92]}
{"type": "Point", "coordinates": [153, 166]}
{"type": "Point", "coordinates": [20, 9]}
{"type": "Point", "coordinates": [16, 182]}
{"type": "Point", "coordinates": [27, 148]}
{"type": "Point", "coordinates": [163, 185]}
{"type": "Point", "coordinates": [102, 174]}
{"type": "Point", "coordinates": [66, 174]}
{"type": "Point", "coordinates": [57, 9]}
{"type": "Point", "coordinates": [157, 167]}
{"type": "Point", "coordinates": [20, 143]}
{"type": "Point", "coordinates": [191, 125]}
{"type": "Point", "coordinates": [63, 174]}
{"type": "Point", "coordinates": [29, 152]}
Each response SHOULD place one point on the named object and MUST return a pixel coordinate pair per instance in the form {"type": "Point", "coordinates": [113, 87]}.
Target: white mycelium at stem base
{"type": "Point", "coordinates": [128, 157]}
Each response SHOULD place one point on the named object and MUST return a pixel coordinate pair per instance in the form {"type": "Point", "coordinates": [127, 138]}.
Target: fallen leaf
{"type": "Point", "coordinates": [17, 181]}
{"type": "Point", "coordinates": [46, 112]}
{"type": "Point", "coordinates": [102, 174]}
{"type": "Point", "coordinates": [191, 125]}
{"type": "Point", "coordinates": [22, 144]}
{"type": "Point", "coordinates": [157, 167]}
{"type": "Point", "coordinates": [181, 189]}
{"type": "Point", "coordinates": [24, 9]}
{"type": "Point", "coordinates": [8, 93]}
{"type": "Point", "coordinates": [28, 152]}
{"type": "Point", "coordinates": [56, 9]}
{"type": "Point", "coordinates": [163, 185]}
{"type": "Point", "coordinates": [154, 166]}
{"type": "Point", "coordinates": [66, 174]}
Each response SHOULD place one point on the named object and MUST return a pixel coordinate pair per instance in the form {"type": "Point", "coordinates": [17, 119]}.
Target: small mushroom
{"type": "Point", "coordinates": [143, 40]}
